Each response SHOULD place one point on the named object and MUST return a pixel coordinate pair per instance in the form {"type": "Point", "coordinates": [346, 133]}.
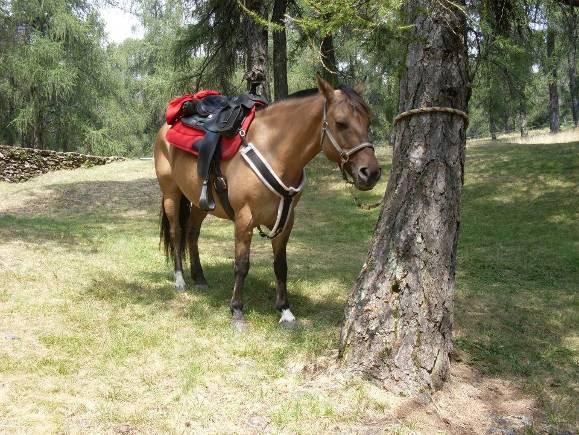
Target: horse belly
{"type": "Point", "coordinates": [245, 189]}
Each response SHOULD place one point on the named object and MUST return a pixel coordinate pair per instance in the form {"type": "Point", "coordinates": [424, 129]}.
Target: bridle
{"type": "Point", "coordinates": [343, 153]}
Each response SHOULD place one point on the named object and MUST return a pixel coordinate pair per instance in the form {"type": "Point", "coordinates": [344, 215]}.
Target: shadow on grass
{"type": "Point", "coordinates": [79, 215]}
{"type": "Point", "coordinates": [81, 198]}
{"type": "Point", "coordinates": [518, 269]}
{"type": "Point", "coordinates": [157, 288]}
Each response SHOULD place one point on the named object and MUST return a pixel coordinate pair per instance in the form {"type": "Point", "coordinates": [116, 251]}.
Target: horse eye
{"type": "Point", "coordinates": [342, 125]}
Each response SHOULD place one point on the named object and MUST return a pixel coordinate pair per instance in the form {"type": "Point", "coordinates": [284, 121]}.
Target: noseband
{"type": "Point", "coordinates": [343, 153]}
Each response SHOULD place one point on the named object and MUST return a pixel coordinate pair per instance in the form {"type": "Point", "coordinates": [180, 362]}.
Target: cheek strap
{"type": "Point", "coordinates": [344, 154]}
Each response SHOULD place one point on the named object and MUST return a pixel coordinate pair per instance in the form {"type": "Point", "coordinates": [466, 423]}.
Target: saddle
{"type": "Point", "coordinates": [217, 116]}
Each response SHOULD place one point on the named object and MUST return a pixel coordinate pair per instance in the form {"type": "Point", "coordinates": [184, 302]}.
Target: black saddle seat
{"type": "Point", "coordinates": [222, 114]}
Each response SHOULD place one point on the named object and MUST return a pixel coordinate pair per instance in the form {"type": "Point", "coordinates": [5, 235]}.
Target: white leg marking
{"type": "Point", "coordinates": [179, 281]}
{"type": "Point", "coordinates": [287, 316]}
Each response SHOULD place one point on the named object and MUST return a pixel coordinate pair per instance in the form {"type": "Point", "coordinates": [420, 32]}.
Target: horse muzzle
{"type": "Point", "coordinates": [366, 178]}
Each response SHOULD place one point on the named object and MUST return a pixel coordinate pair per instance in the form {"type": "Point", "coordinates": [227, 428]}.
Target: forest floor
{"type": "Point", "coordinates": [93, 338]}
{"type": "Point", "coordinates": [540, 136]}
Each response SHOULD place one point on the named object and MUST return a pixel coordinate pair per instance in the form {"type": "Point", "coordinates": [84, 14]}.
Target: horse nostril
{"type": "Point", "coordinates": [363, 174]}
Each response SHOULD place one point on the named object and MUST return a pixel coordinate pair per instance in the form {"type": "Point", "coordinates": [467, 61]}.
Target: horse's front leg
{"type": "Point", "coordinates": [279, 245]}
{"type": "Point", "coordinates": [243, 233]}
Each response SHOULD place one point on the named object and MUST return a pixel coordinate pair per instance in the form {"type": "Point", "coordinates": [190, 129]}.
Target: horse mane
{"type": "Point", "coordinates": [353, 97]}
{"type": "Point", "coordinates": [310, 92]}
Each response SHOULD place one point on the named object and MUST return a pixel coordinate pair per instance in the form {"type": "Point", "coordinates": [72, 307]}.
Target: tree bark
{"type": "Point", "coordinates": [328, 55]}
{"type": "Point", "coordinates": [398, 320]}
{"type": "Point", "coordinates": [256, 49]}
{"type": "Point", "coordinates": [492, 125]}
{"type": "Point", "coordinates": [573, 88]}
{"type": "Point", "coordinates": [523, 120]}
{"type": "Point", "coordinates": [570, 19]}
{"type": "Point", "coordinates": [553, 91]}
{"type": "Point", "coordinates": [279, 51]}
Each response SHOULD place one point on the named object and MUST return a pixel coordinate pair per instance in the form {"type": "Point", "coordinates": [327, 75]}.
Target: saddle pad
{"type": "Point", "coordinates": [182, 136]}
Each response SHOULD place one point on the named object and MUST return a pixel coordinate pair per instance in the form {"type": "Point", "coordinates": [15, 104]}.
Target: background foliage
{"type": "Point", "coordinates": [63, 86]}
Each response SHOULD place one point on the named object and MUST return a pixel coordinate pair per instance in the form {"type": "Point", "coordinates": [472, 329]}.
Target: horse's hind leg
{"type": "Point", "coordinates": [279, 245]}
{"type": "Point", "coordinates": [175, 216]}
{"type": "Point", "coordinates": [194, 229]}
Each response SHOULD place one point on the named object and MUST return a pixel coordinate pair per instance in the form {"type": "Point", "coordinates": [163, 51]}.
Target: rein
{"type": "Point", "coordinates": [344, 158]}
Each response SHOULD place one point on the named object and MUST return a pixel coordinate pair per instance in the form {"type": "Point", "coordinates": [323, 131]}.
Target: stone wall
{"type": "Point", "coordinates": [20, 164]}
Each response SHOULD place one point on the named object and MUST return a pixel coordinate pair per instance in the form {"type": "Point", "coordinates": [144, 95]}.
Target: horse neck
{"type": "Point", "coordinates": [293, 135]}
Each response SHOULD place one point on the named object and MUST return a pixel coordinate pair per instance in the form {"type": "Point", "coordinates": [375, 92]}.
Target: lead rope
{"type": "Point", "coordinates": [361, 204]}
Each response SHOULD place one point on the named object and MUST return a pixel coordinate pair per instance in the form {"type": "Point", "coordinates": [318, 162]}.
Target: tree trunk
{"type": "Point", "coordinates": [492, 125]}
{"type": "Point", "coordinates": [553, 107]}
{"type": "Point", "coordinates": [398, 320]}
{"type": "Point", "coordinates": [256, 46]}
{"type": "Point", "coordinates": [328, 55]}
{"type": "Point", "coordinates": [573, 88]}
{"type": "Point", "coordinates": [553, 91]}
{"type": "Point", "coordinates": [523, 120]}
{"type": "Point", "coordinates": [279, 51]}
{"type": "Point", "coordinates": [570, 18]}
{"type": "Point", "coordinates": [573, 83]}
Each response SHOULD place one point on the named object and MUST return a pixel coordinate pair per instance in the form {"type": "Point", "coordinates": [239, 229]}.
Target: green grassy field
{"type": "Point", "coordinates": [94, 339]}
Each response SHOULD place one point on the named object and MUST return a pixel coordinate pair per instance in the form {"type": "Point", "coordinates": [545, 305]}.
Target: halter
{"type": "Point", "coordinates": [344, 154]}
{"type": "Point", "coordinates": [345, 157]}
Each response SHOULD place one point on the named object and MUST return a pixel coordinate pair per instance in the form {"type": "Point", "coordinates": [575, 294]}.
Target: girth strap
{"type": "Point", "coordinates": [221, 188]}
{"type": "Point", "coordinates": [267, 175]}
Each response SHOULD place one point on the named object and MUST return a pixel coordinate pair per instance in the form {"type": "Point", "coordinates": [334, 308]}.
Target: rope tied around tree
{"type": "Point", "coordinates": [421, 110]}
{"type": "Point", "coordinates": [364, 206]}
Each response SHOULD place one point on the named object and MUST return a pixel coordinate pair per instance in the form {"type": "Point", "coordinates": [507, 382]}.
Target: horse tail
{"type": "Point", "coordinates": [184, 213]}
{"type": "Point", "coordinates": [165, 231]}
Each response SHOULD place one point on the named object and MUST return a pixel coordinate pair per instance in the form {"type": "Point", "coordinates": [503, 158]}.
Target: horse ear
{"type": "Point", "coordinates": [325, 88]}
{"type": "Point", "coordinates": [360, 88]}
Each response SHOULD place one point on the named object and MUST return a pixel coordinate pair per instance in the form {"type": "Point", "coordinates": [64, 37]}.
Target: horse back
{"type": "Point", "coordinates": [176, 168]}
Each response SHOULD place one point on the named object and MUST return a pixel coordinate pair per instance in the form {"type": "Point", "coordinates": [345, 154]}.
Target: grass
{"type": "Point", "coordinates": [94, 339]}
{"type": "Point", "coordinates": [518, 269]}
{"type": "Point", "coordinates": [535, 136]}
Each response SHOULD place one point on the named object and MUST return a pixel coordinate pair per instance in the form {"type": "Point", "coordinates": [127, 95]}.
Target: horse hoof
{"type": "Point", "coordinates": [180, 285]}
{"type": "Point", "coordinates": [201, 286]}
{"type": "Point", "coordinates": [239, 325]}
{"type": "Point", "coordinates": [238, 321]}
{"type": "Point", "coordinates": [287, 320]}
{"type": "Point", "coordinates": [293, 324]}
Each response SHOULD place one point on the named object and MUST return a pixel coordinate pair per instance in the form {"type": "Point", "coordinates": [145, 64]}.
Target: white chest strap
{"type": "Point", "coordinates": [267, 175]}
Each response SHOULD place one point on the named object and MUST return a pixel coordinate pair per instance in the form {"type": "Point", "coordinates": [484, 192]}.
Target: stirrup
{"type": "Point", "coordinates": [206, 202]}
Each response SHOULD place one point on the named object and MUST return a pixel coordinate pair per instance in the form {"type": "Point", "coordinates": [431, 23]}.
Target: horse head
{"type": "Point", "coordinates": [344, 137]}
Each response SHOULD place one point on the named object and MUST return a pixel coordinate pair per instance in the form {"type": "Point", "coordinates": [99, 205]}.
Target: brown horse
{"type": "Point", "coordinates": [288, 134]}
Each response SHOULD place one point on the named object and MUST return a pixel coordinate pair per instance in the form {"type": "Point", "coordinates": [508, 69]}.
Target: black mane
{"type": "Point", "coordinates": [353, 97]}
{"type": "Point", "coordinates": [303, 93]}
